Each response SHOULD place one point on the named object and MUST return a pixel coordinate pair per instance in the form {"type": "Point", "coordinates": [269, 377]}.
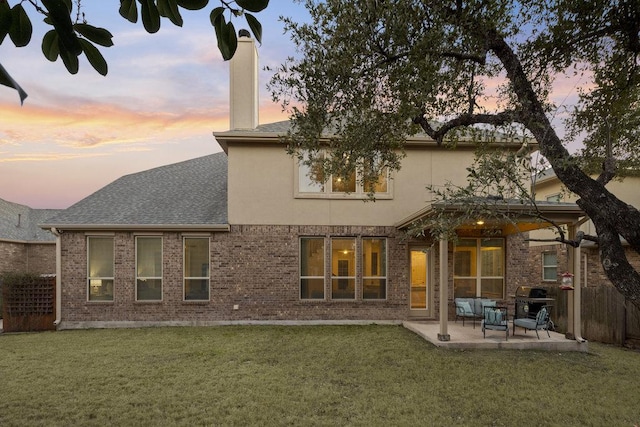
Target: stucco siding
{"type": "Point", "coordinates": [262, 189]}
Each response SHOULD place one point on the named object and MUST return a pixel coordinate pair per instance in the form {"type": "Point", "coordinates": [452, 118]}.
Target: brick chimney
{"type": "Point", "coordinates": [243, 70]}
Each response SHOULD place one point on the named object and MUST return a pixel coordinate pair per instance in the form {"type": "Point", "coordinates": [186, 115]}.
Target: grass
{"type": "Point", "coordinates": [304, 375]}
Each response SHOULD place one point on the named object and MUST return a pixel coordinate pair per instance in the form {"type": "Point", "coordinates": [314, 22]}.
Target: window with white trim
{"type": "Point", "coordinates": [312, 268]}
{"type": "Point", "coordinates": [100, 268]}
{"type": "Point", "coordinates": [478, 268]}
{"type": "Point", "coordinates": [148, 268]}
{"type": "Point", "coordinates": [549, 266]}
{"type": "Point", "coordinates": [357, 268]}
{"type": "Point", "coordinates": [343, 268]}
{"type": "Point", "coordinates": [196, 268]}
{"type": "Point", "coordinates": [374, 268]}
{"type": "Point", "coordinates": [312, 182]}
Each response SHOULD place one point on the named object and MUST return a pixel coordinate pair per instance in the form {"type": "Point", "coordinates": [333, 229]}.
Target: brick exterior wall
{"type": "Point", "coordinates": [36, 258]}
{"type": "Point", "coordinates": [595, 275]}
{"type": "Point", "coordinates": [255, 268]}
{"type": "Point", "coordinates": [41, 258]}
{"type": "Point", "coordinates": [13, 257]}
{"type": "Point", "coordinates": [535, 264]}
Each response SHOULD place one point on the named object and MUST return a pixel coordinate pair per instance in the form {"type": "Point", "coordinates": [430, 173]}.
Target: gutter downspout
{"type": "Point", "coordinates": [58, 275]}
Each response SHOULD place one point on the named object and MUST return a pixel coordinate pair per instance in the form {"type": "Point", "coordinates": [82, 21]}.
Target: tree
{"type": "Point", "coordinates": [71, 34]}
{"type": "Point", "coordinates": [376, 72]}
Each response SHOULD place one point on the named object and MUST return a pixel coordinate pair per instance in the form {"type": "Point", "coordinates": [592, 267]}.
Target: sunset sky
{"type": "Point", "coordinates": [162, 98]}
{"type": "Point", "coordinates": [164, 95]}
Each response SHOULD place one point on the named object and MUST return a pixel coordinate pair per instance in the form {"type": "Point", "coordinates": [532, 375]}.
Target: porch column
{"type": "Point", "coordinates": [574, 318]}
{"type": "Point", "coordinates": [444, 290]}
{"type": "Point", "coordinates": [577, 294]}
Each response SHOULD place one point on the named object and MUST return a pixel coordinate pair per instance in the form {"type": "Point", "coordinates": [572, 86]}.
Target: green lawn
{"type": "Point", "coordinates": [304, 375]}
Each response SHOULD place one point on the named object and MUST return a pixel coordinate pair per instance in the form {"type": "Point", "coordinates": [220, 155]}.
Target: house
{"type": "Point", "coordinates": [247, 235]}
{"type": "Point", "coordinates": [25, 247]}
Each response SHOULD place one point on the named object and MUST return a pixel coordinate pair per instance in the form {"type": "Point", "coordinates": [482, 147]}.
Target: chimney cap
{"type": "Point", "coordinates": [244, 33]}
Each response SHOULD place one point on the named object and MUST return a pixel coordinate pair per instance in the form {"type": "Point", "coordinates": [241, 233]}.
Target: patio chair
{"type": "Point", "coordinates": [541, 322]}
{"type": "Point", "coordinates": [495, 319]}
{"type": "Point", "coordinates": [465, 310]}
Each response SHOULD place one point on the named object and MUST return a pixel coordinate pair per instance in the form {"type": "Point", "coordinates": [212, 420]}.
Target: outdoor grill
{"type": "Point", "coordinates": [529, 300]}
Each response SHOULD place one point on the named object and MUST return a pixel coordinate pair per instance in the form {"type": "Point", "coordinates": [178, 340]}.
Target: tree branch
{"type": "Point", "coordinates": [609, 168]}
{"type": "Point", "coordinates": [498, 119]}
{"type": "Point", "coordinates": [595, 199]}
{"type": "Point", "coordinates": [462, 56]}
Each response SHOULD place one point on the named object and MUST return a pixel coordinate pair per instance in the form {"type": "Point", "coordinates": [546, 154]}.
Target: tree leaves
{"type": "Point", "coordinates": [192, 4]}
{"type": "Point", "coordinates": [20, 27]}
{"type": "Point", "coordinates": [128, 10]}
{"type": "Point", "coordinates": [169, 9]}
{"type": "Point", "coordinates": [7, 80]}
{"type": "Point", "coordinates": [94, 57]}
{"type": "Point", "coordinates": [5, 20]}
{"type": "Point", "coordinates": [59, 15]}
{"type": "Point", "coordinates": [253, 5]}
{"type": "Point", "coordinates": [50, 47]}
{"type": "Point", "coordinates": [97, 35]}
{"type": "Point", "coordinates": [150, 16]}
{"type": "Point", "coordinates": [68, 40]}
{"type": "Point", "coordinates": [255, 26]}
{"type": "Point", "coordinates": [225, 33]}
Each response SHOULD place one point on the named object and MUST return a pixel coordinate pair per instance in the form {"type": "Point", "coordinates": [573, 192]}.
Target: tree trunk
{"type": "Point", "coordinates": [611, 216]}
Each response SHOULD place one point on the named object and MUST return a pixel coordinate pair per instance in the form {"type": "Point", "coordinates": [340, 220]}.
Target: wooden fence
{"type": "Point", "coordinates": [606, 315]}
{"type": "Point", "coordinates": [29, 305]}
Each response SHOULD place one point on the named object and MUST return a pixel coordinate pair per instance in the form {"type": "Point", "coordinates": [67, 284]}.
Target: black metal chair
{"type": "Point", "coordinates": [542, 321]}
{"type": "Point", "coordinates": [495, 319]}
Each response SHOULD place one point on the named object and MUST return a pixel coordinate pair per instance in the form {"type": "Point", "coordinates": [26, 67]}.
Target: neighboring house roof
{"type": "Point", "coordinates": [186, 195]}
{"type": "Point", "coordinates": [20, 223]}
{"type": "Point", "coordinates": [544, 175]}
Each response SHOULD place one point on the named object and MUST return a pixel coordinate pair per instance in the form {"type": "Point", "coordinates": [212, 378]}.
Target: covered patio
{"type": "Point", "coordinates": [467, 338]}
{"type": "Point", "coordinates": [496, 216]}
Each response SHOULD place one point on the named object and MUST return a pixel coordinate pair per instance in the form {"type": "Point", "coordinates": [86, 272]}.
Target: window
{"type": "Point", "coordinates": [554, 197]}
{"type": "Point", "coordinates": [343, 268]}
{"type": "Point", "coordinates": [478, 268]}
{"type": "Point", "coordinates": [100, 268]}
{"type": "Point", "coordinates": [549, 266]}
{"type": "Point", "coordinates": [374, 266]}
{"type": "Point", "coordinates": [311, 179]}
{"type": "Point", "coordinates": [196, 268]}
{"type": "Point", "coordinates": [343, 185]}
{"type": "Point", "coordinates": [148, 268]}
{"type": "Point", "coordinates": [312, 268]}
{"type": "Point", "coordinates": [313, 183]}
{"type": "Point", "coordinates": [357, 268]}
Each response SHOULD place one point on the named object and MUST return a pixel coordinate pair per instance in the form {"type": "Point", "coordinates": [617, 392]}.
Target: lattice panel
{"type": "Point", "coordinates": [29, 305]}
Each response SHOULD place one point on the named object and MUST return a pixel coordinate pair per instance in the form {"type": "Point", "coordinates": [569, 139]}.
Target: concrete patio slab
{"type": "Point", "coordinates": [468, 337]}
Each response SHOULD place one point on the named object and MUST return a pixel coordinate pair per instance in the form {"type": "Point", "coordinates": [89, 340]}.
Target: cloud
{"type": "Point", "coordinates": [92, 124]}
{"type": "Point", "coordinates": [43, 157]}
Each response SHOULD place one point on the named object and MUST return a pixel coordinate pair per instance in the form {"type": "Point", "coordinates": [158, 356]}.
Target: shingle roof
{"type": "Point", "coordinates": [20, 223]}
{"type": "Point", "coordinates": [193, 192]}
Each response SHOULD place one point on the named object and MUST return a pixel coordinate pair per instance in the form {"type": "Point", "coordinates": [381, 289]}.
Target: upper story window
{"type": "Point", "coordinates": [312, 183]}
